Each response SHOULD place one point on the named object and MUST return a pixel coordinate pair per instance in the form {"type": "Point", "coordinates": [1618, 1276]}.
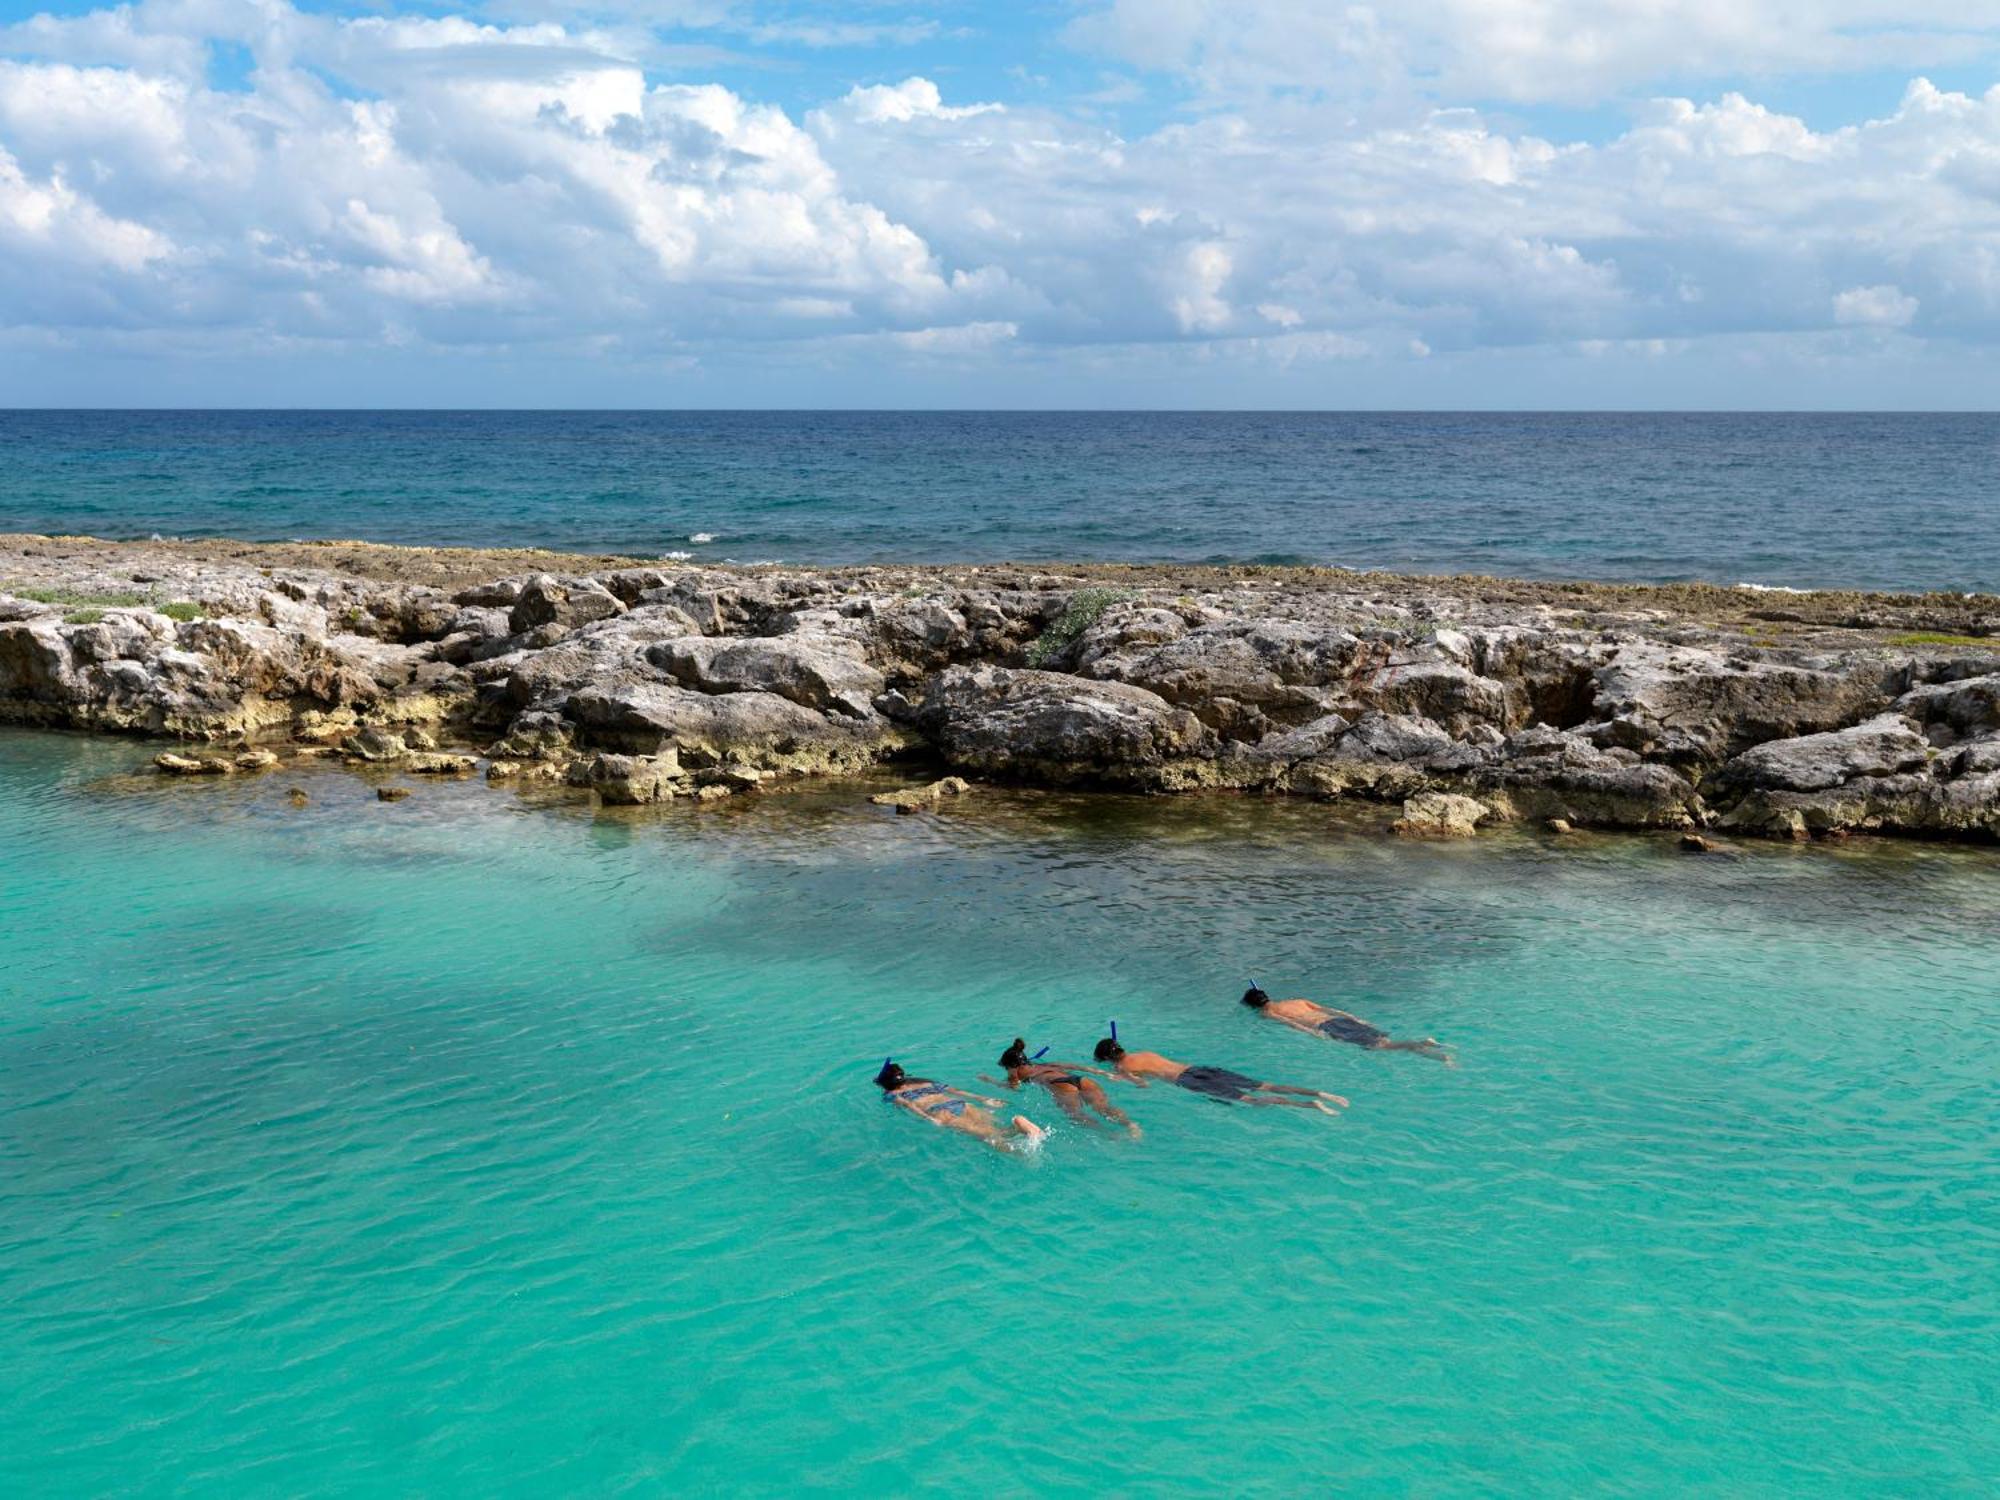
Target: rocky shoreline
{"type": "Point", "coordinates": [1458, 702]}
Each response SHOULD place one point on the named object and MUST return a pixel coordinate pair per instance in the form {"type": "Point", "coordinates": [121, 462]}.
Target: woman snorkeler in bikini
{"type": "Point", "coordinates": [954, 1109]}
{"type": "Point", "coordinates": [1072, 1085]}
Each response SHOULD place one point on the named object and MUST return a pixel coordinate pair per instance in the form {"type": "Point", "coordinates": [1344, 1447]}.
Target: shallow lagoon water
{"type": "Point", "coordinates": [470, 1144]}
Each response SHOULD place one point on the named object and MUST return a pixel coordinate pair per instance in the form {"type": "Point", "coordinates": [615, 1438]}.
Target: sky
{"type": "Point", "coordinates": [1048, 203]}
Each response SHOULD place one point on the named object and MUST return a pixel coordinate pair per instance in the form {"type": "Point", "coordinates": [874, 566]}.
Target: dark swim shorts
{"type": "Point", "coordinates": [1217, 1083]}
{"type": "Point", "coordinates": [1347, 1029]}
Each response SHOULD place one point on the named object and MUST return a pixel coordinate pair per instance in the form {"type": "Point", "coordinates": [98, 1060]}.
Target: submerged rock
{"type": "Point", "coordinates": [193, 765]}
{"type": "Point", "coordinates": [630, 779]}
{"type": "Point", "coordinates": [911, 799]}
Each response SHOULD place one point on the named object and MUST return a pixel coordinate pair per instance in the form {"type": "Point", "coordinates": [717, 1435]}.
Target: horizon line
{"type": "Point", "coordinates": [1027, 411]}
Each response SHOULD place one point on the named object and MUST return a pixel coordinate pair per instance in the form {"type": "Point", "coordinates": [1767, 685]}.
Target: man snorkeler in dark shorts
{"type": "Point", "coordinates": [1339, 1025]}
{"type": "Point", "coordinates": [1216, 1083]}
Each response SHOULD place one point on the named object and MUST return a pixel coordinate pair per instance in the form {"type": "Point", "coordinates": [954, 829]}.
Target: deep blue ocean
{"type": "Point", "coordinates": [1891, 501]}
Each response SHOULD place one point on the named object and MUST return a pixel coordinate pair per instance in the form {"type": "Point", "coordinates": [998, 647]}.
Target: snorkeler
{"type": "Point", "coordinates": [954, 1109]}
{"type": "Point", "coordinates": [1071, 1085]}
{"type": "Point", "coordinates": [1216, 1083]}
{"type": "Point", "coordinates": [1306, 1015]}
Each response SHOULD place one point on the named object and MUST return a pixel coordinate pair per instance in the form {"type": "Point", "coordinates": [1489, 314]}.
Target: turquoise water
{"type": "Point", "coordinates": [1896, 501]}
{"type": "Point", "coordinates": [468, 1145]}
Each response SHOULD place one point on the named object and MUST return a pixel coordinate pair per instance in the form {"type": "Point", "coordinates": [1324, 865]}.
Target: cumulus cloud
{"type": "Point", "coordinates": [912, 99]}
{"type": "Point", "coordinates": [1529, 50]}
{"type": "Point", "coordinates": [461, 183]}
{"type": "Point", "coordinates": [1875, 307]}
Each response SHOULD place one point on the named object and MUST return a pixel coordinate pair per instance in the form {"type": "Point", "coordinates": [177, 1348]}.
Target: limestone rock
{"type": "Point", "coordinates": [1589, 706]}
{"type": "Point", "coordinates": [192, 765]}
{"type": "Point", "coordinates": [391, 793]}
{"type": "Point", "coordinates": [1056, 728]}
{"type": "Point", "coordinates": [814, 671]}
{"type": "Point", "coordinates": [440, 763]}
{"type": "Point", "coordinates": [1967, 706]}
{"type": "Point", "coordinates": [1284, 672]}
{"type": "Point", "coordinates": [736, 778]}
{"type": "Point", "coordinates": [629, 779]}
{"type": "Point", "coordinates": [1686, 703]}
{"type": "Point", "coordinates": [545, 601]}
{"type": "Point", "coordinates": [377, 745]}
{"type": "Point", "coordinates": [747, 728]}
{"type": "Point", "coordinates": [1883, 746]}
{"type": "Point", "coordinates": [911, 799]}
{"type": "Point", "coordinates": [535, 735]}
{"type": "Point", "coordinates": [1440, 815]}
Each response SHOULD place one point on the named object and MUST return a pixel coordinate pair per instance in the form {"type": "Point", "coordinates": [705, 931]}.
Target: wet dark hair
{"type": "Point", "coordinates": [1015, 1056]}
{"type": "Point", "coordinates": [1255, 996]}
{"type": "Point", "coordinates": [1108, 1050]}
{"type": "Point", "coordinates": [891, 1077]}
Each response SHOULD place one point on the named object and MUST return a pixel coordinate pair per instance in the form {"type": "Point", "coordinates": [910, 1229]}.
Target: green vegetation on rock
{"type": "Point", "coordinates": [1084, 609]}
{"type": "Point", "coordinates": [1937, 638]}
{"type": "Point", "coordinates": [76, 600]}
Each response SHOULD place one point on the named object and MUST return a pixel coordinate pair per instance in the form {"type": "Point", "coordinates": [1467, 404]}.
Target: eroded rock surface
{"type": "Point", "coordinates": [642, 681]}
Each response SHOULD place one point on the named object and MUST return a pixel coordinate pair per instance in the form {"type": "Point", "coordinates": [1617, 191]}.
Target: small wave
{"type": "Point", "coordinates": [675, 556]}
{"type": "Point", "coordinates": [1772, 588]}
{"type": "Point", "coordinates": [702, 536]}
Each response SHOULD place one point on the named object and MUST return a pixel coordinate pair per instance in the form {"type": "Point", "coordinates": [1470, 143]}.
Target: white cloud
{"type": "Point", "coordinates": [1875, 307]}
{"type": "Point", "coordinates": [966, 338]}
{"type": "Point", "coordinates": [1566, 50]}
{"type": "Point", "coordinates": [49, 219]}
{"type": "Point", "coordinates": [472, 184]}
{"type": "Point", "coordinates": [1196, 288]}
{"type": "Point", "coordinates": [912, 99]}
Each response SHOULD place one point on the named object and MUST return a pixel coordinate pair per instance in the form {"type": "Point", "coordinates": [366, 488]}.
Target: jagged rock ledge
{"type": "Point", "coordinates": [1676, 707]}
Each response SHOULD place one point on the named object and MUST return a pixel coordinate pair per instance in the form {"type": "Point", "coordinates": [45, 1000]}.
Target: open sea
{"type": "Point", "coordinates": [1878, 501]}
{"type": "Point", "coordinates": [471, 1146]}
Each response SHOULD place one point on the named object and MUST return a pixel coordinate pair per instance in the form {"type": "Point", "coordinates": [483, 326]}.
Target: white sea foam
{"type": "Point", "coordinates": [675, 556]}
{"type": "Point", "coordinates": [1773, 588]}
{"type": "Point", "coordinates": [702, 536]}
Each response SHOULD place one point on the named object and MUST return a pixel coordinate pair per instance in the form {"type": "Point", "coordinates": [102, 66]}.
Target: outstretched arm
{"type": "Point", "coordinates": [978, 1098]}
{"type": "Point", "coordinates": [1078, 1067]}
{"type": "Point", "coordinates": [998, 1083]}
